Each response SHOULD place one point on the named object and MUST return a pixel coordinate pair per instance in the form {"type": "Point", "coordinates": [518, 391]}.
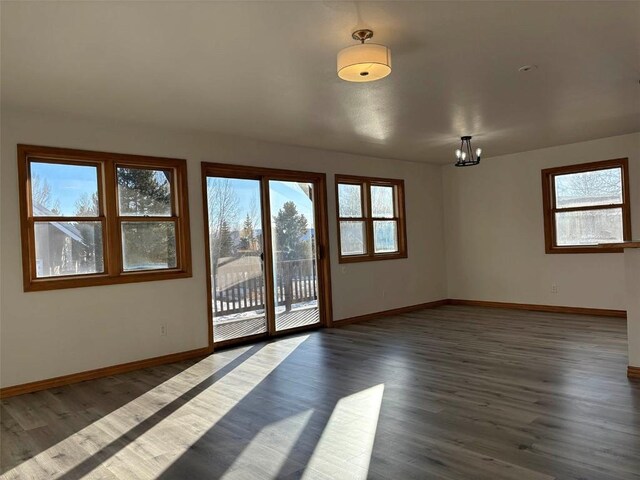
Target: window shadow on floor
{"type": "Point", "coordinates": [56, 414]}
{"type": "Point", "coordinates": [274, 431]}
{"type": "Point", "coordinates": [270, 430]}
{"type": "Point", "coordinates": [41, 419]}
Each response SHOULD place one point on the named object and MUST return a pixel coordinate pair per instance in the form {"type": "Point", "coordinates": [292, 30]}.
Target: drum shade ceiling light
{"type": "Point", "coordinates": [365, 62]}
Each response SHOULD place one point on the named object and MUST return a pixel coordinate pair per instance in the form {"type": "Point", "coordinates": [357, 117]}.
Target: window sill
{"type": "Point", "coordinates": [586, 249]}
{"type": "Point", "coordinates": [102, 279]}
{"type": "Point", "coordinates": [371, 258]}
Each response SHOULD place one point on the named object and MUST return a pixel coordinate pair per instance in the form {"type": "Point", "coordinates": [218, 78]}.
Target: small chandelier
{"type": "Point", "coordinates": [465, 154]}
{"type": "Point", "coordinates": [365, 62]}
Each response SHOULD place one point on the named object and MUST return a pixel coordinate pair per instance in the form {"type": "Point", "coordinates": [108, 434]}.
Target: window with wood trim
{"type": "Point", "coordinates": [92, 218]}
{"type": "Point", "coordinates": [371, 219]}
{"type": "Point", "coordinates": [586, 205]}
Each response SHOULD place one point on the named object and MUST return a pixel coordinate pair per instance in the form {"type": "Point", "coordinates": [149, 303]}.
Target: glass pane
{"type": "Point", "coordinates": [385, 236]}
{"type": "Point", "coordinates": [382, 202]}
{"type": "Point", "coordinates": [352, 238]}
{"type": "Point", "coordinates": [148, 245]}
{"type": "Point", "coordinates": [143, 192]}
{"type": "Point", "coordinates": [599, 187]}
{"type": "Point", "coordinates": [235, 249]}
{"type": "Point", "coordinates": [294, 254]}
{"type": "Point", "coordinates": [64, 190]}
{"type": "Point", "coordinates": [350, 200]}
{"type": "Point", "coordinates": [589, 227]}
{"type": "Point", "coordinates": [68, 248]}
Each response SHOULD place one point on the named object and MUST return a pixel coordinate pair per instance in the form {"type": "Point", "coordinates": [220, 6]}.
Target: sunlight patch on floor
{"type": "Point", "coordinates": [66, 454]}
{"type": "Point", "coordinates": [345, 447]}
{"type": "Point", "coordinates": [269, 450]}
{"type": "Point", "coordinates": [190, 422]}
{"type": "Point", "coordinates": [183, 426]}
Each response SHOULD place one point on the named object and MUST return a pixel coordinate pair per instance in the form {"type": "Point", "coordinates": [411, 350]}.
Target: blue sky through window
{"type": "Point", "coordinates": [67, 183]}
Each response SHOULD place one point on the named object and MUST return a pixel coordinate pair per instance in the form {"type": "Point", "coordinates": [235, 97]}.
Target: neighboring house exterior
{"type": "Point", "coordinates": [60, 247]}
{"type": "Point", "coordinates": [592, 226]}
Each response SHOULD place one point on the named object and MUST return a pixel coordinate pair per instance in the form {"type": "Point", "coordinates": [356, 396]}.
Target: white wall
{"type": "Point", "coordinates": [495, 236]}
{"type": "Point", "coordinates": [47, 334]}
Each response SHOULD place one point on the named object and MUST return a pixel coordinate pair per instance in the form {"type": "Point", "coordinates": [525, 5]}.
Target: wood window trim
{"type": "Point", "coordinates": [108, 215]}
{"type": "Point", "coordinates": [399, 217]}
{"type": "Point", "coordinates": [549, 205]}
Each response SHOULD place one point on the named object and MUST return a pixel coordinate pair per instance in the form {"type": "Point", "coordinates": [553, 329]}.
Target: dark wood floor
{"type": "Point", "coordinates": [452, 393]}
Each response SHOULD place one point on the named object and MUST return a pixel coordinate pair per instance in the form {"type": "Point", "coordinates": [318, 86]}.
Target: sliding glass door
{"type": "Point", "coordinates": [266, 230]}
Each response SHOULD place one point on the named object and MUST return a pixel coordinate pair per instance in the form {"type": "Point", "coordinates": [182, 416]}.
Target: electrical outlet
{"type": "Point", "coordinates": [554, 288]}
{"type": "Point", "coordinates": [163, 330]}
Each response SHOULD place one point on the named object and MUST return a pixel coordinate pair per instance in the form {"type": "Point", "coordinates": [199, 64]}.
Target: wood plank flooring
{"type": "Point", "coordinates": [447, 393]}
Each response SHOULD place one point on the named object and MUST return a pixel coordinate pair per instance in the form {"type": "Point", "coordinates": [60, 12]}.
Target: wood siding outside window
{"type": "Point", "coordinates": [94, 218]}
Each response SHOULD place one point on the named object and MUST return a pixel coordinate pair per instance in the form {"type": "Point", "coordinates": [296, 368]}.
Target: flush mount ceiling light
{"type": "Point", "coordinates": [365, 62]}
{"type": "Point", "coordinates": [465, 153]}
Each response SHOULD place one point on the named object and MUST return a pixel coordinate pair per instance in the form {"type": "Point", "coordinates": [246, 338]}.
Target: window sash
{"type": "Point", "coordinates": [583, 224]}
{"type": "Point", "coordinates": [594, 206]}
{"type": "Point", "coordinates": [53, 161]}
{"type": "Point", "coordinates": [397, 236]}
{"type": "Point", "coordinates": [174, 217]}
{"type": "Point", "coordinates": [364, 238]}
{"type": "Point", "coordinates": [394, 199]}
{"type": "Point", "coordinates": [143, 220]}
{"type": "Point", "coordinates": [46, 220]}
{"type": "Point", "coordinates": [172, 187]}
{"type": "Point", "coordinates": [362, 201]}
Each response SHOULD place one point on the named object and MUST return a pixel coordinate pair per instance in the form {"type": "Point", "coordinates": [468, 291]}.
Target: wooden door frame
{"type": "Point", "coordinates": [263, 175]}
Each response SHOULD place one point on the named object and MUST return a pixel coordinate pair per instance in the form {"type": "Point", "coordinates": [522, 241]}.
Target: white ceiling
{"type": "Point", "coordinates": [267, 70]}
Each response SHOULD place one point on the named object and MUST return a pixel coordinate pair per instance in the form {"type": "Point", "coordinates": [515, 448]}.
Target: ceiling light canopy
{"type": "Point", "coordinates": [465, 154]}
{"type": "Point", "coordinates": [527, 68]}
{"type": "Point", "coordinates": [365, 62]}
